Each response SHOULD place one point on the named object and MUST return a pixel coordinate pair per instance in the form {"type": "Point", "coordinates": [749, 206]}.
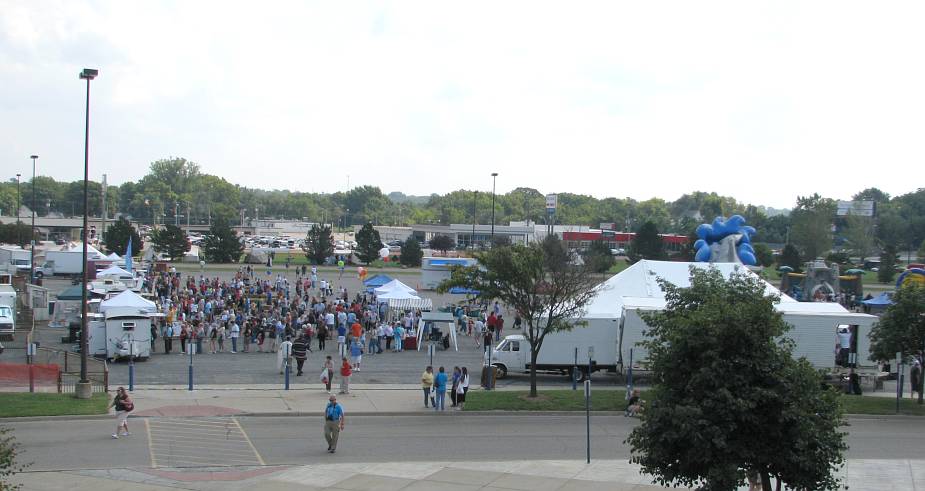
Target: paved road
{"type": "Point", "coordinates": [57, 445]}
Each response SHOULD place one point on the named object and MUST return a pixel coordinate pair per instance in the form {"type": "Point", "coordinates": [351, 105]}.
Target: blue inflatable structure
{"type": "Point", "coordinates": [714, 239]}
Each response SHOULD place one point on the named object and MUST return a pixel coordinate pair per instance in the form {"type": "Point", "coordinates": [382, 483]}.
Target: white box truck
{"type": "Point", "coordinates": [16, 258]}
{"type": "Point", "coordinates": [512, 354]}
{"type": "Point", "coordinates": [7, 312]}
{"type": "Point", "coordinates": [62, 263]}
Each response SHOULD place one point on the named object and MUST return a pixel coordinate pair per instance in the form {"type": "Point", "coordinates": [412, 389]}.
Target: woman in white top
{"type": "Point", "coordinates": [461, 388]}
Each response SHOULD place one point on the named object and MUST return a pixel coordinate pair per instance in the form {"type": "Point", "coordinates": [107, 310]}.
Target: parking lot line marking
{"type": "Point", "coordinates": [150, 445]}
{"type": "Point", "coordinates": [191, 458]}
{"type": "Point", "coordinates": [249, 442]}
{"type": "Point", "coordinates": [196, 425]}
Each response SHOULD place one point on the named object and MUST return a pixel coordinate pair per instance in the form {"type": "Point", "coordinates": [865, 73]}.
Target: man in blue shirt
{"type": "Point", "coordinates": [440, 390]}
{"type": "Point", "coordinates": [333, 423]}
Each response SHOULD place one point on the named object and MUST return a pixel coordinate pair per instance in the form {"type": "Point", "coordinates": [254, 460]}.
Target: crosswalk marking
{"type": "Point", "coordinates": [182, 442]}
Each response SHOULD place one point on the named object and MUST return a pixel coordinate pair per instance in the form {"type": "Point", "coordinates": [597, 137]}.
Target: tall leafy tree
{"type": "Point", "coordinates": [859, 233]}
{"type": "Point", "coordinates": [646, 244]}
{"type": "Point", "coordinates": [9, 450]}
{"type": "Point", "coordinates": [811, 229]}
{"type": "Point", "coordinates": [540, 281]}
{"type": "Point", "coordinates": [598, 257]}
{"type": "Point", "coordinates": [790, 256]}
{"type": "Point", "coordinates": [319, 244]}
{"type": "Point", "coordinates": [728, 397]}
{"type": "Point", "coordinates": [763, 254]}
{"type": "Point", "coordinates": [368, 243]}
{"type": "Point", "coordinates": [442, 243]}
{"type": "Point", "coordinates": [888, 261]}
{"type": "Point", "coordinates": [901, 328]}
{"type": "Point", "coordinates": [118, 235]}
{"type": "Point", "coordinates": [411, 253]}
{"type": "Point", "coordinates": [221, 244]}
{"type": "Point", "coordinates": [170, 240]}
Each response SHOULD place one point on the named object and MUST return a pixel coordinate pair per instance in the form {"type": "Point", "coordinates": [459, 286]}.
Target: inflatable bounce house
{"type": "Point", "coordinates": [913, 275]}
{"type": "Point", "coordinates": [821, 282]}
{"type": "Point", "coordinates": [725, 241]}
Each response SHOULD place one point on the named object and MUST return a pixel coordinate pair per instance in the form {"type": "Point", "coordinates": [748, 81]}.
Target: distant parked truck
{"type": "Point", "coordinates": [67, 263]}
{"type": "Point", "coordinates": [16, 257]}
{"type": "Point", "coordinates": [7, 312]}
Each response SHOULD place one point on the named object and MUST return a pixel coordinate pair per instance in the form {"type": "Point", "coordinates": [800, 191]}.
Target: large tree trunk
{"type": "Point", "coordinates": [533, 355]}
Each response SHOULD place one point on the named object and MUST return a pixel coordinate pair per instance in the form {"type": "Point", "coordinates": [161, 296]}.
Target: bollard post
{"type": "Point", "coordinates": [575, 371]}
{"type": "Point", "coordinates": [588, 417]}
{"type": "Point", "coordinates": [30, 357]}
{"type": "Point", "coordinates": [286, 377]}
{"type": "Point", "coordinates": [131, 364]}
{"type": "Point", "coordinates": [190, 366]}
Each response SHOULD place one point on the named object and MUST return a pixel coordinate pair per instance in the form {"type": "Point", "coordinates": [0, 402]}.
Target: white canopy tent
{"type": "Point", "coordinates": [115, 271]}
{"type": "Point", "coordinates": [92, 252]}
{"type": "Point", "coordinates": [415, 303]}
{"type": "Point", "coordinates": [393, 286]}
{"type": "Point", "coordinates": [438, 317]}
{"type": "Point", "coordinates": [114, 257]}
{"type": "Point", "coordinates": [129, 299]}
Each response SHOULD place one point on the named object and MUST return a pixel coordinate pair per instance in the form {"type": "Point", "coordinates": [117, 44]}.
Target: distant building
{"type": "Point", "coordinates": [618, 240]}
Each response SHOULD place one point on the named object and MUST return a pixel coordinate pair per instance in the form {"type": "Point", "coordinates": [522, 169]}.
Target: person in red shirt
{"type": "Point", "coordinates": [345, 372]}
{"type": "Point", "coordinates": [491, 322]}
{"type": "Point", "coordinates": [356, 330]}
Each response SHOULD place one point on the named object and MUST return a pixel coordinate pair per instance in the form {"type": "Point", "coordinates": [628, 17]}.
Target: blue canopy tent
{"type": "Point", "coordinates": [461, 290]}
{"type": "Point", "coordinates": [376, 282]}
{"type": "Point", "coordinates": [882, 300]}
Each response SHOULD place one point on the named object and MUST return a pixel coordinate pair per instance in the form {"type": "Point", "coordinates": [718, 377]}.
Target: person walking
{"type": "Point", "coordinates": [153, 336]}
{"type": "Point", "coordinates": [915, 377]}
{"type": "Point", "coordinates": [300, 352]}
{"type": "Point", "coordinates": [333, 423]}
{"type": "Point", "coordinates": [322, 335]}
{"type": "Point", "coordinates": [455, 385]}
{"type": "Point", "coordinates": [327, 373]}
{"type": "Point", "coordinates": [462, 388]}
{"type": "Point", "coordinates": [124, 405]}
{"type": "Point", "coordinates": [427, 384]}
{"type": "Point", "coordinates": [345, 373]}
{"type": "Point", "coordinates": [235, 332]}
{"type": "Point", "coordinates": [356, 354]}
{"type": "Point", "coordinates": [213, 338]}
{"type": "Point", "coordinates": [282, 356]}
{"type": "Point", "coordinates": [168, 338]}
{"type": "Point", "coordinates": [440, 390]}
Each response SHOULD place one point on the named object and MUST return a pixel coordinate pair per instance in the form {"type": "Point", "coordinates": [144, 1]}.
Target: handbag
{"type": "Point", "coordinates": [128, 406]}
{"type": "Point", "coordinates": [324, 375]}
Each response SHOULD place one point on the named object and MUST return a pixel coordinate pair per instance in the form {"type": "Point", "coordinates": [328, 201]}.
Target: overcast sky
{"type": "Point", "coordinates": [762, 101]}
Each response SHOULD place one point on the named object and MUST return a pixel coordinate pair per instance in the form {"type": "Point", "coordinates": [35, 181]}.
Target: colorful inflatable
{"type": "Point", "coordinates": [724, 241]}
{"type": "Point", "coordinates": [911, 276]}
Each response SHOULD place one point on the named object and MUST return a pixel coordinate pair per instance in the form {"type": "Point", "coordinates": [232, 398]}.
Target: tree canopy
{"type": "Point", "coordinates": [170, 240]}
{"type": "Point", "coordinates": [221, 244]}
{"type": "Point", "coordinates": [728, 398]}
{"type": "Point", "coordinates": [541, 281]}
{"type": "Point", "coordinates": [646, 244]}
{"type": "Point", "coordinates": [411, 253]}
{"type": "Point", "coordinates": [368, 243]}
{"type": "Point", "coordinates": [319, 244]}
{"type": "Point", "coordinates": [117, 236]}
{"type": "Point", "coordinates": [442, 243]}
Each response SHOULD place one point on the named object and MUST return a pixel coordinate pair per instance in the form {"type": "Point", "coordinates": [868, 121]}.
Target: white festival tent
{"type": "Point", "coordinates": [129, 299]}
{"type": "Point", "coordinates": [113, 256]}
{"type": "Point", "coordinates": [92, 252]}
{"type": "Point", "coordinates": [622, 298]}
{"type": "Point", "coordinates": [438, 318]}
{"type": "Point", "coordinates": [115, 271]}
{"type": "Point", "coordinates": [412, 303]}
{"type": "Point", "coordinates": [394, 285]}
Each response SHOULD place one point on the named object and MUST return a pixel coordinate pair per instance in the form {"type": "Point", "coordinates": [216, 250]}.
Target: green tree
{"type": "Point", "coordinates": [118, 235]}
{"type": "Point", "coordinates": [720, 409]}
{"type": "Point", "coordinates": [540, 281]}
{"type": "Point", "coordinates": [221, 244]}
{"type": "Point", "coordinates": [8, 465]}
{"type": "Point", "coordinates": [411, 253]}
{"type": "Point", "coordinates": [901, 328]}
{"type": "Point", "coordinates": [790, 256]}
{"type": "Point", "coordinates": [10, 233]}
{"type": "Point", "coordinates": [500, 241]}
{"type": "Point", "coordinates": [647, 244]}
{"type": "Point", "coordinates": [319, 244]}
{"type": "Point", "coordinates": [170, 240]}
{"type": "Point", "coordinates": [859, 233]}
{"type": "Point", "coordinates": [598, 257]}
{"type": "Point", "coordinates": [888, 261]}
{"type": "Point", "coordinates": [811, 229]}
{"type": "Point", "coordinates": [763, 254]}
{"type": "Point", "coordinates": [442, 243]}
{"type": "Point", "coordinates": [368, 243]}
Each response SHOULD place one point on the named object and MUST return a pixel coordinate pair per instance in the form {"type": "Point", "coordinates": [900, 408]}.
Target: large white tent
{"type": "Point", "coordinates": [623, 298]}
{"type": "Point", "coordinates": [393, 286]}
{"type": "Point", "coordinates": [128, 299]}
{"type": "Point", "coordinates": [114, 271]}
{"type": "Point", "coordinates": [92, 252]}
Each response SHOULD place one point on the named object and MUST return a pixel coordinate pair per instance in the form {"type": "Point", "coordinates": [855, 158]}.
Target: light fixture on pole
{"type": "Point", "coordinates": [494, 176]}
{"type": "Point", "coordinates": [32, 230]}
{"type": "Point", "coordinates": [83, 389]}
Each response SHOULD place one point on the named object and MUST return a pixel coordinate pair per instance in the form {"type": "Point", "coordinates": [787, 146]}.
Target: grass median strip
{"type": "Point", "coordinates": [23, 404]}
{"type": "Point", "coordinates": [546, 400]}
{"type": "Point", "coordinates": [881, 405]}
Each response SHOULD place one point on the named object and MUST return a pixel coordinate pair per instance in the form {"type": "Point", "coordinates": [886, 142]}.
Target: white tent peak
{"type": "Point", "coordinates": [92, 252]}
{"type": "Point", "coordinates": [394, 285]}
{"type": "Point", "coordinates": [128, 298]}
{"type": "Point", "coordinates": [114, 271]}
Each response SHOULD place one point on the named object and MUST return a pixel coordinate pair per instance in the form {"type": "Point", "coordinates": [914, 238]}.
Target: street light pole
{"type": "Point", "coordinates": [83, 389]}
{"type": "Point", "coordinates": [18, 206]}
{"type": "Point", "coordinates": [475, 204]}
{"type": "Point", "coordinates": [494, 176]}
{"type": "Point", "coordinates": [32, 231]}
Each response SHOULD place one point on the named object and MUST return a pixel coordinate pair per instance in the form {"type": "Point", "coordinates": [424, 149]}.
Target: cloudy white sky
{"type": "Point", "coordinates": [763, 101]}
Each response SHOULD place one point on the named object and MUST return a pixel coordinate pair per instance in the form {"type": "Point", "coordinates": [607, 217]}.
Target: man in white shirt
{"type": "Point", "coordinates": [235, 332]}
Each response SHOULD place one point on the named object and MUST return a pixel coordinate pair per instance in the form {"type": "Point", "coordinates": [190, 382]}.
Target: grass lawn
{"type": "Point", "coordinates": [881, 405]}
{"type": "Point", "coordinates": [546, 400]}
{"type": "Point", "coordinates": [20, 404]}
{"type": "Point", "coordinates": [613, 400]}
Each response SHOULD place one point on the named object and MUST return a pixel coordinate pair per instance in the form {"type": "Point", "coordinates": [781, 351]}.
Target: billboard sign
{"type": "Point", "coordinates": [552, 202]}
{"type": "Point", "coordinates": [856, 208]}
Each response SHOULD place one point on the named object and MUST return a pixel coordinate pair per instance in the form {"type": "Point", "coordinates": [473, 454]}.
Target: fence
{"type": "Point", "coordinates": [53, 370]}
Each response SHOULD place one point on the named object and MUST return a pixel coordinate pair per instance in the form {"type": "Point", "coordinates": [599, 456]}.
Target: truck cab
{"type": "Point", "coordinates": [509, 355]}
{"type": "Point", "coordinates": [7, 322]}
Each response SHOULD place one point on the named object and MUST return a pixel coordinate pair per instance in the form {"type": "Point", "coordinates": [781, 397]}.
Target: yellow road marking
{"type": "Point", "coordinates": [249, 442]}
{"type": "Point", "coordinates": [150, 445]}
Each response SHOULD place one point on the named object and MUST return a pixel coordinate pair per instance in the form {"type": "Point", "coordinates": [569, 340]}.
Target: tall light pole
{"type": "Point", "coordinates": [475, 204]}
{"type": "Point", "coordinates": [32, 231]}
{"type": "Point", "coordinates": [83, 389]}
{"type": "Point", "coordinates": [18, 206]}
{"type": "Point", "coordinates": [494, 177]}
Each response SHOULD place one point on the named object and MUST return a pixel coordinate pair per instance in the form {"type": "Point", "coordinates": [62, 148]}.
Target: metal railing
{"type": "Point", "coordinates": [69, 363]}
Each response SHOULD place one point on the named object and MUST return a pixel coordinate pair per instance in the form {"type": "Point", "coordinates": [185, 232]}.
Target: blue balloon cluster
{"type": "Point", "coordinates": [712, 233]}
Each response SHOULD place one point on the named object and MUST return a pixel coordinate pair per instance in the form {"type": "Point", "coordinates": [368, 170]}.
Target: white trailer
{"type": "Point", "coordinates": [7, 312]}
{"type": "Point", "coordinates": [121, 332]}
{"type": "Point", "coordinates": [596, 340]}
{"type": "Point", "coordinates": [61, 263]}
{"type": "Point", "coordinates": [16, 258]}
